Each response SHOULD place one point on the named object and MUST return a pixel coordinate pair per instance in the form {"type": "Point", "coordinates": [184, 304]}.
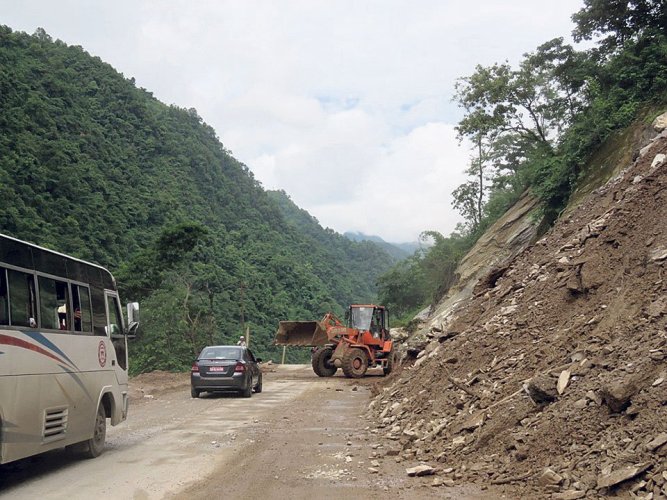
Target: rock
{"type": "Point", "coordinates": [616, 395]}
{"type": "Point", "coordinates": [593, 396]}
{"type": "Point", "coordinates": [644, 151]}
{"type": "Point", "coordinates": [660, 123]}
{"type": "Point", "coordinates": [659, 159]}
{"type": "Point", "coordinates": [620, 475]}
{"type": "Point", "coordinates": [373, 470]}
{"type": "Point", "coordinates": [507, 310]}
{"type": "Point", "coordinates": [541, 389]}
{"type": "Point", "coordinates": [637, 179]}
{"type": "Point", "coordinates": [410, 435]}
{"type": "Point", "coordinates": [563, 380]}
{"type": "Point", "coordinates": [549, 478]}
{"type": "Point", "coordinates": [658, 307]}
{"type": "Point", "coordinates": [656, 354]}
{"type": "Point", "coordinates": [659, 254]}
{"type": "Point", "coordinates": [580, 404]}
{"type": "Point", "coordinates": [443, 482]}
{"type": "Point", "coordinates": [458, 441]}
{"type": "Point", "coordinates": [657, 442]}
{"type": "Point", "coordinates": [578, 356]}
{"type": "Point", "coordinates": [658, 381]}
{"type": "Point", "coordinates": [472, 422]}
{"type": "Point", "coordinates": [420, 470]}
{"type": "Point", "coordinates": [569, 495]}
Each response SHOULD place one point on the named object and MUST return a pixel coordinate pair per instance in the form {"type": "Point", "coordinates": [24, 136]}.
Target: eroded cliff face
{"type": "Point", "coordinates": [507, 238]}
{"type": "Point", "coordinates": [549, 373]}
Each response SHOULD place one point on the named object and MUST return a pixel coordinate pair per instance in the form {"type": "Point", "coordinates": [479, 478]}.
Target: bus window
{"type": "Point", "coordinates": [81, 302]}
{"type": "Point", "coordinates": [4, 299]}
{"type": "Point", "coordinates": [54, 304]}
{"type": "Point", "coordinates": [22, 305]}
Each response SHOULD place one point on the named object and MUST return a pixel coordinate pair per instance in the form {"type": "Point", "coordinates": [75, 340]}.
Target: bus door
{"type": "Point", "coordinates": [115, 329]}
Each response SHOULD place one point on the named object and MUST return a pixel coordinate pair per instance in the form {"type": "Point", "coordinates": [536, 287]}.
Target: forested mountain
{"type": "Point", "coordinates": [93, 166]}
{"type": "Point", "coordinates": [361, 262]}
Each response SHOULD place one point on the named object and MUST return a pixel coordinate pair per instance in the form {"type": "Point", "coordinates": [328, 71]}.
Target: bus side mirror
{"type": "Point", "coordinates": [132, 318]}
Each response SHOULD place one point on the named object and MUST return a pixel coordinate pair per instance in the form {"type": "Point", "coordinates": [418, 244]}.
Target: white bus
{"type": "Point", "coordinates": [63, 352]}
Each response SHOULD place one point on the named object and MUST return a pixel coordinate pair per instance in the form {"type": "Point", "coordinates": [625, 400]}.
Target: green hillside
{"type": "Point", "coordinates": [93, 166]}
{"type": "Point", "coordinates": [365, 260]}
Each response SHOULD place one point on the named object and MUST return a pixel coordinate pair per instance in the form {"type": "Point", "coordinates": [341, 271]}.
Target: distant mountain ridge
{"type": "Point", "coordinates": [397, 250]}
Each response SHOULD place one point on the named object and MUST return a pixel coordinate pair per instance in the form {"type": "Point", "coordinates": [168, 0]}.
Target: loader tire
{"type": "Point", "coordinates": [321, 362]}
{"type": "Point", "coordinates": [355, 363]}
{"type": "Point", "coordinates": [392, 359]}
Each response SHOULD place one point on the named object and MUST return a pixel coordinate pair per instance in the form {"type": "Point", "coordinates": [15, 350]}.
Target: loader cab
{"type": "Point", "coordinates": [369, 318]}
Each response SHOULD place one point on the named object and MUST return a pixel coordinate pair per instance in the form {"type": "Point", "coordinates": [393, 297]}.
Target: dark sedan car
{"type": "Point", "coordinates": [223, 368]}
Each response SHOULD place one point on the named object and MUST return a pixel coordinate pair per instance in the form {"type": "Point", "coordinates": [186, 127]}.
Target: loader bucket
{"type": "Point", "coordinates": [301, 333]}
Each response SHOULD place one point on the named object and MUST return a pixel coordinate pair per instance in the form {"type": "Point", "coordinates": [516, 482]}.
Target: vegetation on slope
{"type": "Point", "coordinates": [95, 167]}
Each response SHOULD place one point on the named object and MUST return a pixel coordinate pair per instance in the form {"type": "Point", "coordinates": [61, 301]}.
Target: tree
{"type": "Point", "coordinates": [620, 20]}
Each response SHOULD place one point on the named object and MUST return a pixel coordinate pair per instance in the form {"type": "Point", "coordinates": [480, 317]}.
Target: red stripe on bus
{"type": "Point", "coordinates": [6, 339]}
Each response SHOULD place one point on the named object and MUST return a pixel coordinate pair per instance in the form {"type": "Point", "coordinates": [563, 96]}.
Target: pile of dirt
{"type": "Point", "coordinates": [553, 379]}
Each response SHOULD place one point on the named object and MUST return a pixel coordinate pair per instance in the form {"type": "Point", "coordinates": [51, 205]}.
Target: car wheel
{"type": "Point", "coordinates": [258, 387]}
{"type": "Point", "coordinates": [194, 392]}
{"type": "Point", "coordinates": [247, 390]}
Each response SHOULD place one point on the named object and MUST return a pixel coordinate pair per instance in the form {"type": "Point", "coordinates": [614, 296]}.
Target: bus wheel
{"type": "Point", "coordinates": [95, 445]}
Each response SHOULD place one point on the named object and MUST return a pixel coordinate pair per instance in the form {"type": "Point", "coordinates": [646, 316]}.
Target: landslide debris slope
{"type": "Point", "coordinates": [553, 378]}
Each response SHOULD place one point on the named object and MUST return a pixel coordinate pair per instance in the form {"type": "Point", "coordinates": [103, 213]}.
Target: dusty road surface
{"type": "Point", "coordinates": [302, 437]}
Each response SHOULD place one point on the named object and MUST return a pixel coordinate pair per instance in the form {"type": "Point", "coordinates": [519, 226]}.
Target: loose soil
{"type": "Point", "coordinates": [553, 378]}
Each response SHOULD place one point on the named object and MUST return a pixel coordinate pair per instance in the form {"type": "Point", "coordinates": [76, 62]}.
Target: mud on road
{"type": "Point", "coordinates": [303, 436]}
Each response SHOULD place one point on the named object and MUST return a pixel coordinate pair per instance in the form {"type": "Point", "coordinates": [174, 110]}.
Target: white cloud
{"type": "Point", "coordinates": [345, 105]}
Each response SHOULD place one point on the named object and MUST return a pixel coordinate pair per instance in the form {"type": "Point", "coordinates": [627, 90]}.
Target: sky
{"type": "Point", "coordinates": [346, 105]}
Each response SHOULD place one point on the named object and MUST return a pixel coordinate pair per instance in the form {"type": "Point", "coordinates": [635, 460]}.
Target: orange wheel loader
{"type": "Point", "coordinates": [362, 343]}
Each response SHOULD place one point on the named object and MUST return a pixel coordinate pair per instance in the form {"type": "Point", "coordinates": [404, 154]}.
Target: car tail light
{"type": "Point", "coordinates": [195, 367]}
{"type": "Point", "coordinates": [240, 367]}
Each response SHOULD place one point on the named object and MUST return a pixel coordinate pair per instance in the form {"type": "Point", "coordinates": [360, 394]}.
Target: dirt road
{"type": "Point", "coordinates": [303, 436]}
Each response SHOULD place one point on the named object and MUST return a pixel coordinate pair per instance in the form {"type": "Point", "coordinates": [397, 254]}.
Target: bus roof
{"type": "Point", "coordinates": [53, 252]}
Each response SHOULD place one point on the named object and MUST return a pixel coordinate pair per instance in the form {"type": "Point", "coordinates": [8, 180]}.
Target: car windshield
{"type": "Point", "coordinates": [221, 353]}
